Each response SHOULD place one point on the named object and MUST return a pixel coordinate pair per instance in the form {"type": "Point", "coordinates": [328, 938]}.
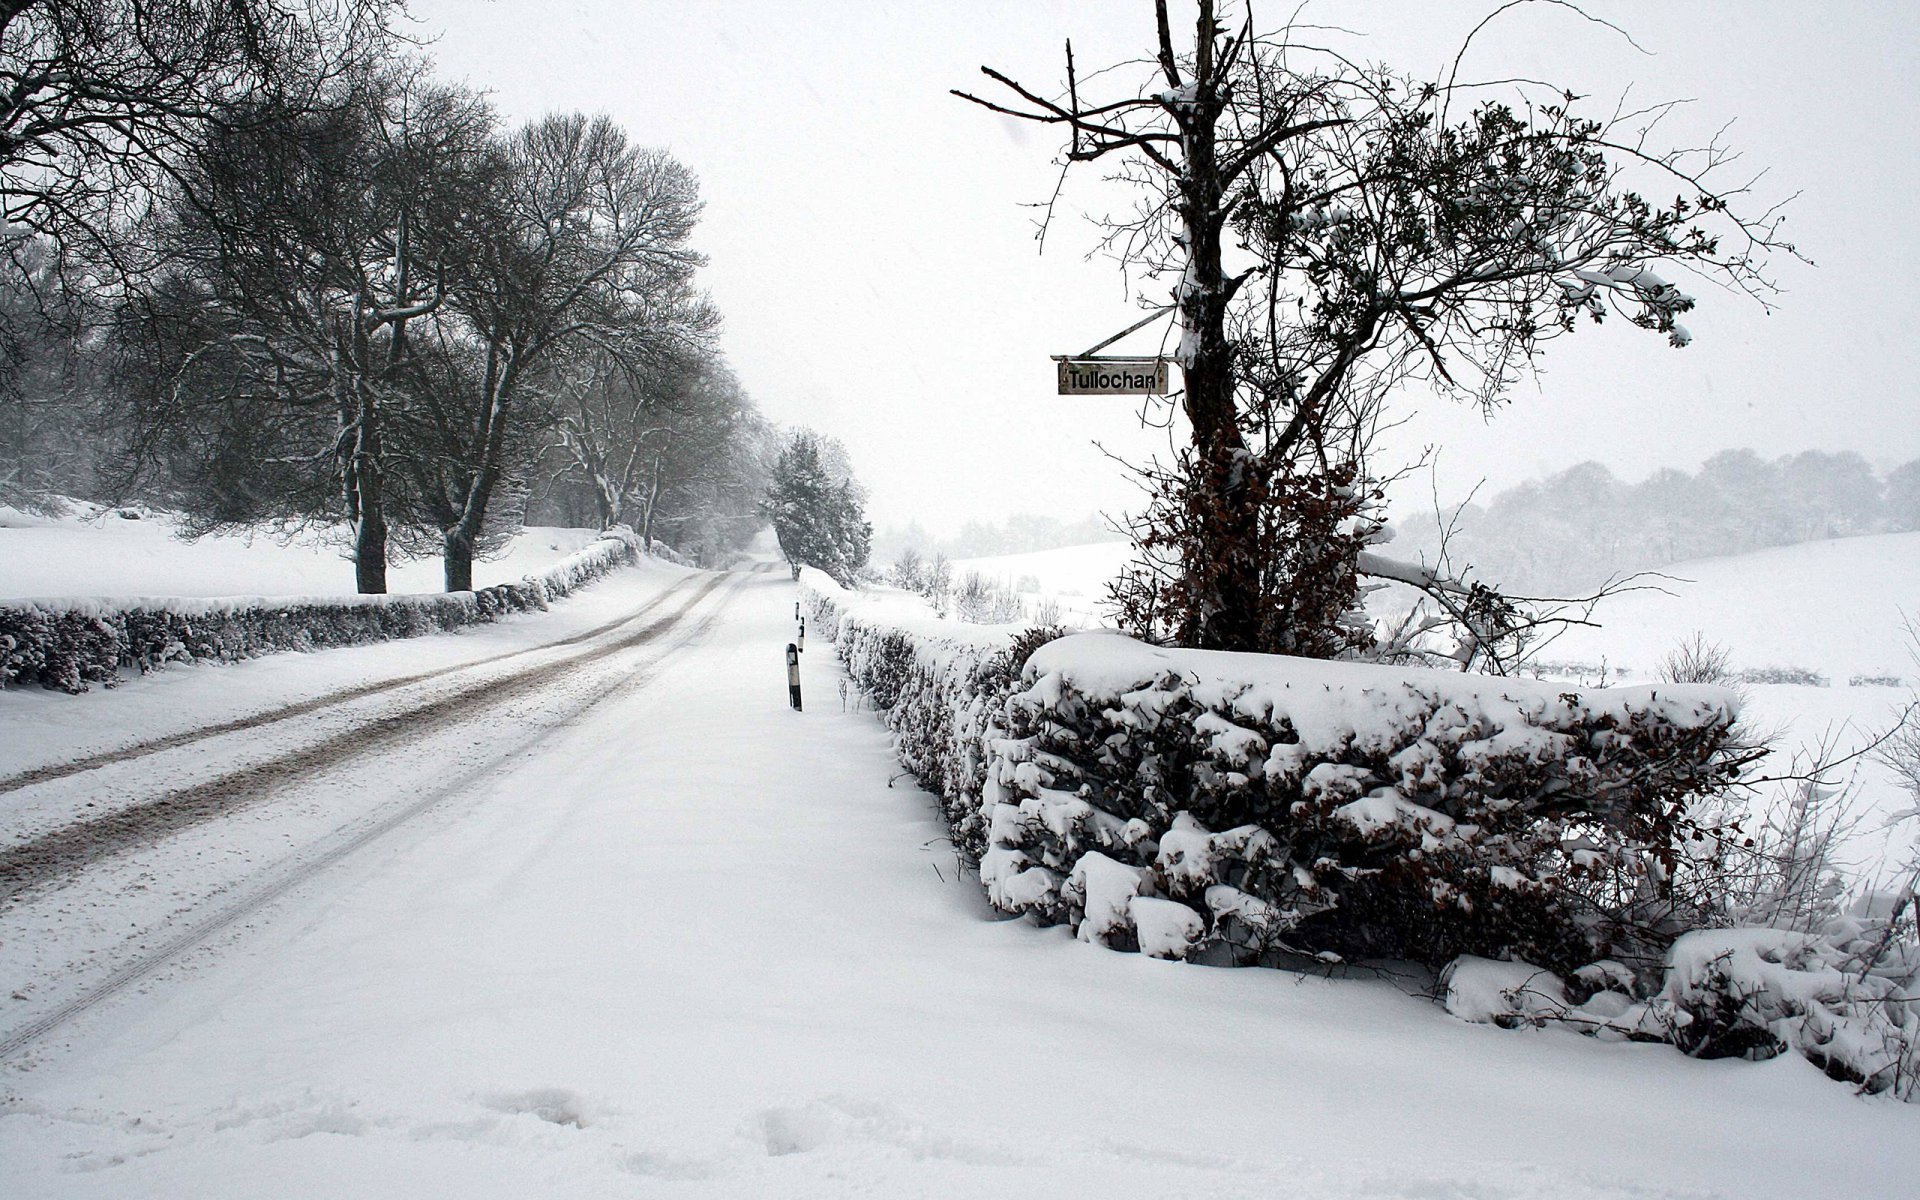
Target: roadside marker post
{"type": "Point", "coordinates": [793, 675]}
{"type": "Point", "coordinates": [803, 635]}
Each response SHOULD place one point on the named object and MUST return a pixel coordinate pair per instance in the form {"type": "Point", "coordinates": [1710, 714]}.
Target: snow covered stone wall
{"type": "Point", "coordinates": [68, 644]}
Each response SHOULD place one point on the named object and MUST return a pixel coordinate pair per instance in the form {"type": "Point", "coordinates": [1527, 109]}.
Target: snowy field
{"type": "Point", "coordinates": [1074, 576]}
{"type": "Point", "coordinates": [1836, 608]}
{"type": "Point", "coordinates": [98, 552]}
{"type": "Point", "coordinates": [691, 943]}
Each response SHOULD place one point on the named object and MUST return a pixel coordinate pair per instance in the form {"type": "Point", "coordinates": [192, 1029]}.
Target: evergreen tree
{"type": "Point", "coordinates": [818, 520]}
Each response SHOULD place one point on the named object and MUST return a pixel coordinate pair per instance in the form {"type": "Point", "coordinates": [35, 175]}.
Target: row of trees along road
{"type": "Point", "coordinates": [347, 293]}
{"type": "Point", "coordinates": [1332, 234]}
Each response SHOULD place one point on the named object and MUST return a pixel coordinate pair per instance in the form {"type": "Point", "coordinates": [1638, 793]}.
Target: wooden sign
{"type": "Point", "coordinates": [1112, 376]}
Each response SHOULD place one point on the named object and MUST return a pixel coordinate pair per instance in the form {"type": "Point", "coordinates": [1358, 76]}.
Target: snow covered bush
{"type": "Point", "coordinates": [929, 578]}
{"type": "Point", "coordinates": [1846, 998]}
{"type": "Point", "coordinates": [1507, 994]}
{"type": "Point", "coordinates": [1344, 809]}
{"type": "Point", "coordinates": [1292, 806]}
{"type": "Point", "coordinates": [68, 645]}
{"type": "Point", "coordinates": [979, 600]}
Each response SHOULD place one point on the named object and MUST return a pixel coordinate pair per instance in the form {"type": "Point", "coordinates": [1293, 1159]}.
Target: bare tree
{"type": "Point", "coordinates": [101, 99]}
{"type": "Point", "coordinates": [618, 423]}
{"type": "Point", "coordinates": [702, 488]}
{"type": "Point", "coordinates": [300, 251]}
{"type": "Point", "coordinates": [1330, 232]}
{"type": "Point", "coordinates": [586, 245]}
{"type": "Point", "coordinates": [100, 102]}
{"type": "Point", "coordinates": [49, 443]}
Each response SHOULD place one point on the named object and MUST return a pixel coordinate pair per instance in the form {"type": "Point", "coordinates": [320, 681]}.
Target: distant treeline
{"type": "Point", "coordinates": [1572, 530]}
{"type": "Point", "coordinates": [260, 267]}
{"type": "Point", "coordinates": [1018, 534]}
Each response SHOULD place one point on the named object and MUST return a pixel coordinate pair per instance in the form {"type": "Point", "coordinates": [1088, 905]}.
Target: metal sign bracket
{"type": "Point", "coordinates": [1142, 323]}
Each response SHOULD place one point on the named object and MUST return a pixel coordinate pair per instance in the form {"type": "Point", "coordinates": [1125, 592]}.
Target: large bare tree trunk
{"type": "Point", "coordinates": [361, 482]}
{"type": "Point", "coordinates": [461, 538]}
{"type": "Point", "coordinates": [653, 502]}
{"type": "Point", "coordinates": [457, 555]}
{"type": "Point", "coordinates": [370, 531]}
{"type": "Point", "coordinates": [1231, 619]}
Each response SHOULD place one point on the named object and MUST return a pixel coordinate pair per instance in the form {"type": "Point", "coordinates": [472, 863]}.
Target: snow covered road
{"type": "Point", "coordinates": [641, 930]}
{"type": "Point", "coordinates": [152, 825]}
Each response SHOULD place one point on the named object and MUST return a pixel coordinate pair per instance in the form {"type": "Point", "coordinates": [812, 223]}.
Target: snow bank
{"type": "Point", "coordinates": [66, 644]}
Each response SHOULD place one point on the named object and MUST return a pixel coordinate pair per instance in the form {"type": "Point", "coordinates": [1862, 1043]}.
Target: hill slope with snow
{"type": "Point", "coordinates": [1836, 607]}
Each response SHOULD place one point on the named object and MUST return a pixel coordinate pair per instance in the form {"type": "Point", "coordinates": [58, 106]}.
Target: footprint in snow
{"type": "Point", "coordinates": [800, 1128]}
{"type": "Point", "coordinates": [555, 1106]}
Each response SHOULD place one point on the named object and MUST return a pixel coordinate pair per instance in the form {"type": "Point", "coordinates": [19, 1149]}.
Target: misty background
{"type": "Point", "coordinates": [871, 238]}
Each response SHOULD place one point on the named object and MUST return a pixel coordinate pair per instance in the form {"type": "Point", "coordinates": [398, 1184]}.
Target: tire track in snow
{"type": "Point", "coordinates": [93, 762]}
{"type": "Point", "coordinates": [62, 851]}
{"type": "Point", "coordinates": [345, 841]}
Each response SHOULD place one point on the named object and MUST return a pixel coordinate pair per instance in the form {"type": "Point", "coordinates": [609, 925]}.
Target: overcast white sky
{"type": "Point", "coordinates": [880, 281]}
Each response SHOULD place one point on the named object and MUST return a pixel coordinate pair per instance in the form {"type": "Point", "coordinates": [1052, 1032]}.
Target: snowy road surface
{"type": "Point", "coordinates": [601, 917]}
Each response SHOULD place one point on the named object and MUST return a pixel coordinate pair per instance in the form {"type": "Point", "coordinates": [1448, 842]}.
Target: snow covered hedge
{"type": "Point", "coordinates": [67, 645]}
{"type": "Point", "coordinates": [1248, 806]}
{"type": "Point", "coordinates": [1179, 801]}
{"type": "Point", "coordinates": [1259, 809]}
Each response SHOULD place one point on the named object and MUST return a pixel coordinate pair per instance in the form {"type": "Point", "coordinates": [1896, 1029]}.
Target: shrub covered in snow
{"type": "Point", "coordinates": [1847, 998]}
{"type": "Point", "coordinates": [68, 645]}
{"type": "Point", "coordinates": [1344, 809]}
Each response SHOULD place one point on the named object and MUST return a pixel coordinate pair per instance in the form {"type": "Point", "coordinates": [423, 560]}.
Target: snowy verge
{"type": "Point", "coordinates": [67, 644]}
{"type": "Point", "coordinates": [935, 683]}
